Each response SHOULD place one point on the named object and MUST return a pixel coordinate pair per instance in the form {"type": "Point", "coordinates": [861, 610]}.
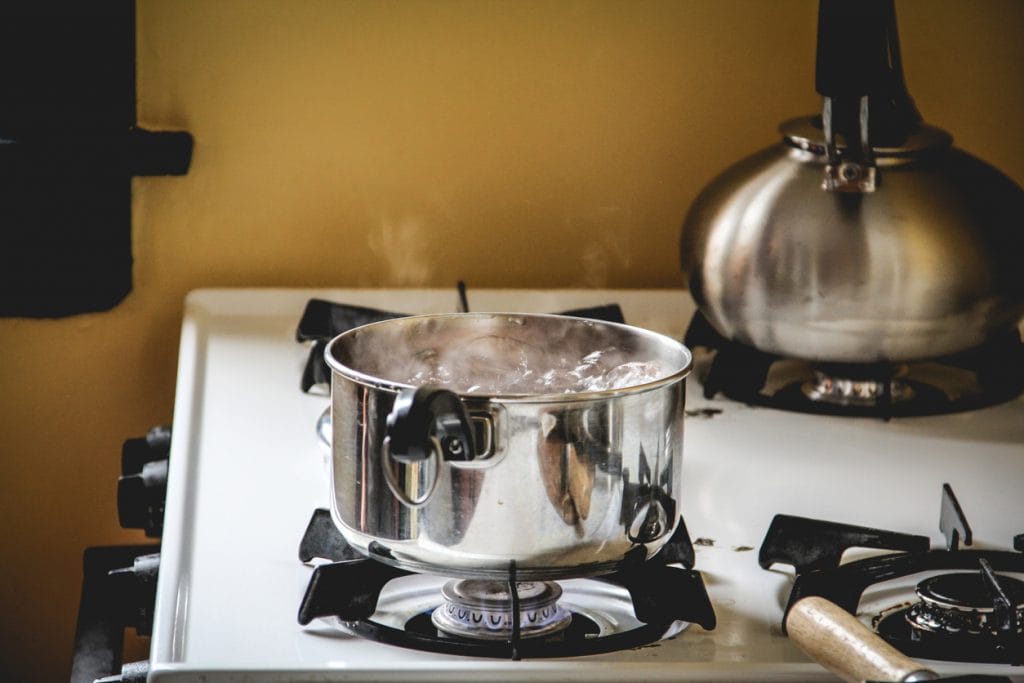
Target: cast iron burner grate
{"type": "Point", "coordinates": [970, 612]}
{"type": "Point", "coordinates": [323, 320]}
{"type": "Point", "coordinates": [663, 591]}
{"type": "Point", "coordinates": [989, 374]}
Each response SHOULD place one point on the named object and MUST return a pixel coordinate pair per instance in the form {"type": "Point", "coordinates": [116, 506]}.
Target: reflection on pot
{"type": "Point", "coordinates": [566, 467]}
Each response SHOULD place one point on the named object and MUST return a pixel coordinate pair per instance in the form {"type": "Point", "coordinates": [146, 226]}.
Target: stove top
{"type": "Point", "coordinates": [247, 471]}
{"type": "Point", "coordinates": [967, 604]}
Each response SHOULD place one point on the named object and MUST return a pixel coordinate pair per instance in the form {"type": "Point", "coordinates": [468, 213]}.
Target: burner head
{"type": "Point", "coordinates": [481, 609]}
{"type": "Point", "coordinates": [856, 391]}
{"type": "Point", "coordinates": [964, 603]}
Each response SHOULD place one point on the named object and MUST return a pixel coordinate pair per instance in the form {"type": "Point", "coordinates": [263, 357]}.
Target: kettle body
{"type": "Point", "coordinates": [926, 264]}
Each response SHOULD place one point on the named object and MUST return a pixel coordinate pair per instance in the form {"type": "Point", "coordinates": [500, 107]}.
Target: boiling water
{"type": "Point", "coordinates": [500, 365]}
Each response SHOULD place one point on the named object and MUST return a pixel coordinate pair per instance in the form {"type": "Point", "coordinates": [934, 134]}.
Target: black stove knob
{"type": "Point", "coordinates": [137, 452]}
{"type": "Point", "coordinates": [142, 487]}
{"type": "Point", "coordinates": [135, 591]}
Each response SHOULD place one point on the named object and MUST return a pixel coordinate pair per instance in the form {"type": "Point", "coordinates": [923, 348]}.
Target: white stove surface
{"type": "Point", "coordinates": [246, 472]}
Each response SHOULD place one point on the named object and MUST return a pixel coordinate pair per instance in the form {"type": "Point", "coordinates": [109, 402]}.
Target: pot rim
{"type": "Point", "coordinates": [566, 397]}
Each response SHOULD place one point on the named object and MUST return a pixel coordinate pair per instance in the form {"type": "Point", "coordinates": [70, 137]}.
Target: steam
{"type": "Point", "coordinates": [400, 245]}
{"type": "Point", "coordinates": [608, 244]}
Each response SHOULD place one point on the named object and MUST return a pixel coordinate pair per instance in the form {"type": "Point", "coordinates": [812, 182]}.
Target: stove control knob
{"type": "Point", "coordinates": [154, 446]}
{"type": "Point", "coordinates": [142, 487]}
{"type": "Point", "coordinates": [134, 589]}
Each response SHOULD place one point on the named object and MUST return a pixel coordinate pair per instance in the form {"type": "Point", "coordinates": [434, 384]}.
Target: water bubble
{"type": "Point", "coordinates": [504, 355]}
{"type": "Point", "coordinates": [633, 373]}
{"type": "Point", "coordinates": [499, 371]}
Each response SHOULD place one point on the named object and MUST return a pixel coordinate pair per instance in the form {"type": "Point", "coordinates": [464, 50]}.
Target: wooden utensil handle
{"type": "Point", "coordinates": [842, 644]}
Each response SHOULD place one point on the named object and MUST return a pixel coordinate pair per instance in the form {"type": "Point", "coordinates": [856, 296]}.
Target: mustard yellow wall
{"type": "Point", "coordinates": [415, 143]}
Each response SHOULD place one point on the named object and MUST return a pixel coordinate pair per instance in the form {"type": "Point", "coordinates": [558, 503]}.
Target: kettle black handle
{"type": "Point", "coordinates": [858, 56]}
{"type": "Point", "coordinates": [422, 414]}
{"type": "Point", "coordinates": [854, 56]}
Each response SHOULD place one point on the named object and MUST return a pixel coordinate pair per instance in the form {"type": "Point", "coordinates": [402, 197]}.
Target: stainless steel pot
{"type": "Point", "coordinates": [464, 480]}
{"type": "Point", "coordinates": [863, 236]}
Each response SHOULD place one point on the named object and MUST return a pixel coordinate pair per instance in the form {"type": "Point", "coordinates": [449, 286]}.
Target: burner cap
{"type": "Point", "coordinates": [964, 603]}
{"type": "Point", "coordinates": [476, 608]}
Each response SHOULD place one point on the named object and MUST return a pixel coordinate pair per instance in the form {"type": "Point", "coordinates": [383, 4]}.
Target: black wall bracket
{"type": "Point", "coordinates": [69, 146]}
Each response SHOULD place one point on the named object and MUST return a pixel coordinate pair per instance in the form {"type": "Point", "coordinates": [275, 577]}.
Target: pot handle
{"type": "Point", "coordinates": [842, 644]}
{"type": "Point", "coordinates": [426, 418]}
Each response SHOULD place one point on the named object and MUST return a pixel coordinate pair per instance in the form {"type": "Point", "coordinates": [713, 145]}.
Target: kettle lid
{"type": "Point", "coordinates": [807, 133]}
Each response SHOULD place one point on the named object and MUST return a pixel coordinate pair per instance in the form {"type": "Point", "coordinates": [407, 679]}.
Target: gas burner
{"type": "Point", "coordinates": [968, 608]}
{"type": "Point", "coordinates": [834, 388]}
{"type": "Point", "coordinates": [476, 608]}
{"type": "Point", "coordinates": [963, 616]}
{"type": "Point", "coordinates": [990, 374]}
{"type": "Point", "coordinates": [964, 602]}
{"type": "Point", "coordinates": [641, 603]}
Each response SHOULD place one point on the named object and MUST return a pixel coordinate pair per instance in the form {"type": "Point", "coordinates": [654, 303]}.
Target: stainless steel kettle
{"type": "Point", "coordinates": [864, 235]}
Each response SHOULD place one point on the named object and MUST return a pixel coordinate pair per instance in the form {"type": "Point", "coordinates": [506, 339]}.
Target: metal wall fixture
{"type": "Point", "coordinates": [69, 146]}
